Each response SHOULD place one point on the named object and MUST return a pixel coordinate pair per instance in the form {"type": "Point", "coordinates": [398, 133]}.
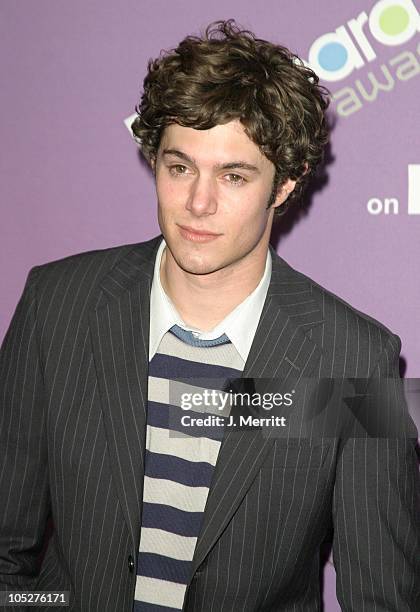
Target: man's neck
{"type": "Point", "coordinates": [204, 300]}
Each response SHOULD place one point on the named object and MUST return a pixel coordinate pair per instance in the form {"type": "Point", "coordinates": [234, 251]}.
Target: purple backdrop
{"type": "Point", "coordinates": [72, 181]}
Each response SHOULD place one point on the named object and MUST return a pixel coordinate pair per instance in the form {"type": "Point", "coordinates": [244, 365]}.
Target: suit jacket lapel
{"type": "Point", "coordinates": [282, 350]}
{"type": "Point", "coordinates": [120, 338]}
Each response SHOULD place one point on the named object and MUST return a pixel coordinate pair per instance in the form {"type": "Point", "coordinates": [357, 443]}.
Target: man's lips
{"type": "Point", "coordinates": [195, 235]}
{"type": "Point", "coordinates": [197, 231]}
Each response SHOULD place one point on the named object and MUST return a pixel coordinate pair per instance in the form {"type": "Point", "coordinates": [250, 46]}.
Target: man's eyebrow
{"type": "Point", "coordinates": [180, 154]}
{"type": "Point", "coordinates": [241, 165]}
{"type": "Point", "coordinates": [238, 164]}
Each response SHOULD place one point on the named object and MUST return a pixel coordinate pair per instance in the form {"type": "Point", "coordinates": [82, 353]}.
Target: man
{"type": "Point", "coordinates": [147, 516]}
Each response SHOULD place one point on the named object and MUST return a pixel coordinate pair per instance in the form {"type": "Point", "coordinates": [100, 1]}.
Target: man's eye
{"type": "Point", "coordinates": [235, 179]}
{"type": "Point", "coordinates": [178, 169]}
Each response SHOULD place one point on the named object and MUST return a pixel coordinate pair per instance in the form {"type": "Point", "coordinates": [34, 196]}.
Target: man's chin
{"type": "Point", "coordinates": [196, 261]}
{"type": "Point", "coordinates": [199, 269]}
{"type": "Point", "coordinates": [197, 265]}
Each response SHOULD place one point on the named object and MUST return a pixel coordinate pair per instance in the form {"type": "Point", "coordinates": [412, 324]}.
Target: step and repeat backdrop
{"type": "Point", "coordinates": [72, 178]}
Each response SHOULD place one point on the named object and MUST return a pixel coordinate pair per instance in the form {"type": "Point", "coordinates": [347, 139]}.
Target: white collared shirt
{"type": "Point", "coordinates": [239, 325]}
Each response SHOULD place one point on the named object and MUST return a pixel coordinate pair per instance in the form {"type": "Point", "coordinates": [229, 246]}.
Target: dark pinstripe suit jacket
{"type": "Point", "coordinates": [73, 392]}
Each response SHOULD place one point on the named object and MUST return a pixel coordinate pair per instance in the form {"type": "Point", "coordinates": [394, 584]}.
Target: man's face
{"type": "Point", "coordinates": [213, 187]}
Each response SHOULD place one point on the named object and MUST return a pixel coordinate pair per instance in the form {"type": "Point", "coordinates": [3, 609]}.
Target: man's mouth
{"type": "Point", "coordinates": [196, 235]}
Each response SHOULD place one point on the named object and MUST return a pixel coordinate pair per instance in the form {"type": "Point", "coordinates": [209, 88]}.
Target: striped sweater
{"type": "Point", "coordinates": [179, 466]}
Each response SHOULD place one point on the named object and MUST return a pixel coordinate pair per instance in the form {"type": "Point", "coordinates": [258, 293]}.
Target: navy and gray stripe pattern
{"type": "Point", "coordinates": [179, 464]}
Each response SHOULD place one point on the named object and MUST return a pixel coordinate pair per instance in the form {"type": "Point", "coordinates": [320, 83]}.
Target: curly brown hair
{"type": "Point", "coordinates": [230, 74]}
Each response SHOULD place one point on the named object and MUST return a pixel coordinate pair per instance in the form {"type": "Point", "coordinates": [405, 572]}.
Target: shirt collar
{"type": "Point", "coordinates": [239, 325]}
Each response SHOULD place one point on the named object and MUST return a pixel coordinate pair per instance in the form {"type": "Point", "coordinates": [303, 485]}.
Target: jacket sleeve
{"type": "Point", "coordinates": [24, 492]}
{"type": "Point", "coordinates": [377, 504]}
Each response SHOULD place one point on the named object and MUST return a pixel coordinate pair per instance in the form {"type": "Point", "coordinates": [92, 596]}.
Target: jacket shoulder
{"type": "Point", "coordinates": [67, 289]}
{"type": "Point", "coordinates": [346, 326]}
{"type": "Point", "coordinates": [84, 271]}
{"type": "Point", "coordinates": [331, 302]}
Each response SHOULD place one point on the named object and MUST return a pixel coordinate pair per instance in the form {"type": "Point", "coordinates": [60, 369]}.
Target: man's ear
{"type": "Point", "coordinates": [283, 192]}
{"type": "Point", "coordinates": [286, 189]}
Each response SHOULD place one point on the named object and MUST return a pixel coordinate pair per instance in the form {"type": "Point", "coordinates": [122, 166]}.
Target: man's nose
{"type": "Point", "coordinates": [202, 199]}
